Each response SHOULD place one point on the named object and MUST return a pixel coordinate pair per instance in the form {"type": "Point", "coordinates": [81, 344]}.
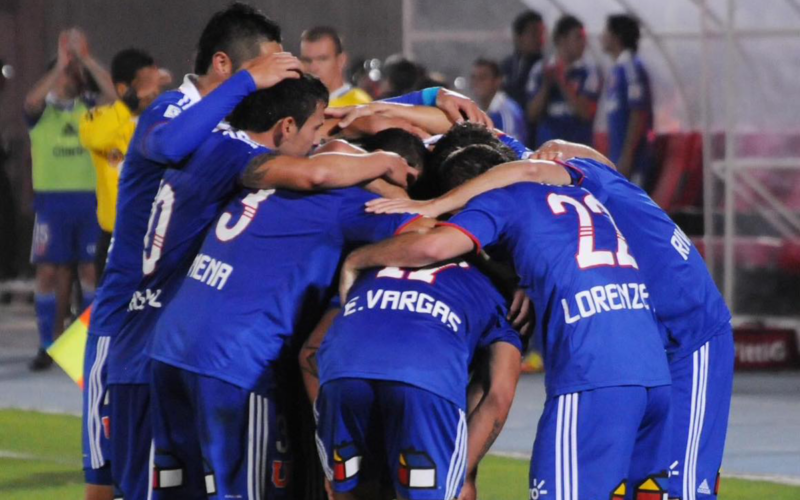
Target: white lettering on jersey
{"type": "Point", "coordinates": [210, 271]}
{"type": "Point", "coordinates": [225, 232]}
{"type": "Point", "coordinates": [172, 111]}
{"type": "Point", "coordinates": [681, 243]}
{"type": "Point", "coordinates": [605, 298]}
{"type": "Point", "coordinates": [140, 300]}
{"type": "Point", "coordinates": [409, 300]}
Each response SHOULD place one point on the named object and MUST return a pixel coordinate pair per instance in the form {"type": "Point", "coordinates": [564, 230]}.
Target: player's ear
{"type": "Point", "coordinates": [121, 89]}
{"type": "Point", "coordinates": [222, 65]}
{"type": "Point", "coordinates": [285, 130]}
{"type": "Point", "coordinates": [341, 61]}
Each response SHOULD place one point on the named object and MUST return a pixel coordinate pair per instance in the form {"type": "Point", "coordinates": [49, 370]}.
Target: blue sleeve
{"type": "Point", "coordinates": [173, 133]}
{"type": "Point", "coordinates": [424, 97]}
{"type": "Point", "coordinates": [591, 175]}
{"type": "Point", "coordinates": [500, 331]}
{"type": "Point", "coordinates": [520, 149]}
{"type": "Point", "coordinates": [485, 218]}
{"type": "Point", "coordinates": [359, 227]}
{"type": "Point", "coordinates": [636, 92]}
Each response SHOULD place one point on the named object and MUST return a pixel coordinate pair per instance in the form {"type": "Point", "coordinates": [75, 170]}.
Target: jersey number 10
{"type": "Point", "coordinates": [587, 256]}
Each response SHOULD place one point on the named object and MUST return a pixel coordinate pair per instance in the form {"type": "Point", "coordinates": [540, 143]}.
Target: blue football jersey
{"type": "Point", "coordinates": [138, 184]}
{"type": "Point", "coordinates": [188, 200]}
{"type": "Point", "coordinates": [265, 271]}
{"type": "Point", "coordinates": [595, 325]}
{"type": "Point", "coordinates": [686, 299]}
{"type": "Point", "coordinates": [420, 327]}
{"type": "Point", "coordinates": [628, 89]}
{"type": "Point", "coordinates": [559, 121]}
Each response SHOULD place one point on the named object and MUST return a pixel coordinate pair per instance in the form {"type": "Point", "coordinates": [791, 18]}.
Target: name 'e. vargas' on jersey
{"type": "Point", "coordinates": [686, 299]}
{"type": "Point", "coordinates": [416, 326]}
{"type": "Point", "coordinates": [595, 325]}
{"type": "Point", "coordinates": [188, 200]}
{"type": "Point", "coordinates": [265, 271]}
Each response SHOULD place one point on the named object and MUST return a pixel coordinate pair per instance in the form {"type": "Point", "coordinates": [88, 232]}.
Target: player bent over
{"type": "Point", "coordinates": [393, 370]}
{"type": "Point", "coordinates": [604, 430]}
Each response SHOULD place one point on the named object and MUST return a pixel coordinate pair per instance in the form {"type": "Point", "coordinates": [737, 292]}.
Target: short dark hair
{"type": "Point", "coordinates": [127, 63]}
{"type": "Point", "coordinates": [236, 31]}
{"type": "Point", "coordinates": [524, 19]}
{"type": "Point", "coordinates": [402, 142]}
{"type": "Point", "coordinates": [317, 33]}
{"type": "Point", "coordinates": [626, 28]}
{"type": "Point", "coordinates": [459, 136]}
{"type": "Point", "coordinates": [295, 97]}
{"type": "Point", "coordinates": [565, 25]}
{"type": "Point", "coordinates": [402, 75]}
{"type": "Point", "coordinates": [469, 162]}
{"type": "Point", "coordinates": [489, 63]}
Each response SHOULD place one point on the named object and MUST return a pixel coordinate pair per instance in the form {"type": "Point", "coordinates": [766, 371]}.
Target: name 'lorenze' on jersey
{"type": "Point", "coordinates": [605, 298]}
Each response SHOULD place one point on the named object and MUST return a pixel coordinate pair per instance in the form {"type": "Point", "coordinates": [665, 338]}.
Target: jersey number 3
{"type": "Point", "coordinates": [587, 256]}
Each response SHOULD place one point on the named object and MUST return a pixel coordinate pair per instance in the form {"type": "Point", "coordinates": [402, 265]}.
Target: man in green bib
{"type": "Point", "coordinates": [65, 231]}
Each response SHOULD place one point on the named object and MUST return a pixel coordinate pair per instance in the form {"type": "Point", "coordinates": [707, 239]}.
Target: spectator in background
{"type": "Point", "coordinates": [563, 92]}
{"type": "Point", "coordinates": [8, 231]}
{"type": "Point", "coordinates": [629, 101]}
{"type": "Point", "coordinates": [65, 231]}
{"type": "Point", "coordinates": [400, 76]}
{"type": "Point", "coordinates": [486, 82]}
{"type": "Point", "coordinates": [323, 56]}
{"type": "Point", "coordinates": [528, 32]}
{"type": "Point", "coordinates": [107, 130]}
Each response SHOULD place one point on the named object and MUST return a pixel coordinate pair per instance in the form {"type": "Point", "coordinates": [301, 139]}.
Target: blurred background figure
{"type": "Point", "coordinates": [366, 75]}
{"type": "Point", "coordinates": [528, 35]}
{"type": "Point", "coordinates": [8, 216]}
{"type": "Point", "coordinates": [107, 130]}
{"type": "Point", "coordinates": [486, 82]}
{"type": "Point", "coordinates": [66, 230]}
{"type": "Point", "coordinates": [563, 92]}
{"type": "Point", "coordinates": [323, 56]}
{"type": "Point", "coordinates": [399, 76]}
{"type": "Point", "coordinates": [629, 101]}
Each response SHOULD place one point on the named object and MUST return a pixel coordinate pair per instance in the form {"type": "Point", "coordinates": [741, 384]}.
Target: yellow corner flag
{"type": "Point", "coordinates": [69, 348]}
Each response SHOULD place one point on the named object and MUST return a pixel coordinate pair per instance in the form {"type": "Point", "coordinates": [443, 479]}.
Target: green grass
{"type": "Point", "coordinates": [40, 459]}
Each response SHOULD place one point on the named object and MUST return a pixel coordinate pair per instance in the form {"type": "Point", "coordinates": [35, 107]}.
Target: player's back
{"type": "Point", "coordinates": [138, 184]}
{"type": "Point", "coordinates": [420, 327]}
{"type": "Point", "coordinates": [684, 294]}
{"type": "Point", "coordinates": [595, 327]}
{"type": "Point", "coordinates": [264, 271]}
{"type": "Point", "coordinates": [188, 200]}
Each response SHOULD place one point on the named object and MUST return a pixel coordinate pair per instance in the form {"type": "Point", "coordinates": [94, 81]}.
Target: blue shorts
{"type": "Point", "coordinates": [702, 384]}
{"type": "Point", "coordinates": [132, 437]}
{"type": "Point", "coordinates": [65, 230]}
{"type": "Point", "coordinates": [214, 438]}
{"type": "Point", "coordinates": [95, 422]}
{"type": "Point", "coordinates": [420, 436]}
{"type": "Point", "coordinates": [611, 442]}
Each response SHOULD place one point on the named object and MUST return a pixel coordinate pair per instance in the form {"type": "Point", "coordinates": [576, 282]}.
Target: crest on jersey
{"type": "Point", "coordinates": [281, 471]}
{"type": "Point", "coordinates": [346, 462]}
{"type": "Point", "coordinates": [417, 470]}
{"type": "Point", "coordinates": [653, 488]}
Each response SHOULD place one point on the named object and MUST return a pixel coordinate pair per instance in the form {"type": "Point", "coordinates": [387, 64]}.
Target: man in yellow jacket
{"type": "Point", "coordinates": [323, 56]}
{"type": "Point", "coordinates": [107, 130]}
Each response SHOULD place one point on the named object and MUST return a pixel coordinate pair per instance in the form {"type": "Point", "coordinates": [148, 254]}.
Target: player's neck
{"type": "Point", "coordinates": [207, 83]}
{"type": "Point", "coordinates": [266, 139]}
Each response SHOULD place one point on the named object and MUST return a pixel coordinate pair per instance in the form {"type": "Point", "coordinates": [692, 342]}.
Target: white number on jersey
{"type": "Point", "coordinates": [157, 229]}
{"type": "Point", "coordinates": [587, 256]}
{"type": "Point", "coordinates": [428, 275]}
{"type": "Point", "coordinates": [225, 232]}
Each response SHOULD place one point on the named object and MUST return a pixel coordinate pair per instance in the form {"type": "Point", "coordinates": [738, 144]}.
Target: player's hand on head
{"type": "Point", "coordinates": [78, 45]}
{"type": "Point", "coordinates": [458, 107]}
{"type": "Point", "coordinates": [348, 114]}
{"type": "Point", "coordinates": [271, 69]}
{"type": "Point", "coordinates": [64, 54]}
{"type": "Point", "coordinates": [427, 208]}
{"type": "Point", "coordinates": [398, 171]}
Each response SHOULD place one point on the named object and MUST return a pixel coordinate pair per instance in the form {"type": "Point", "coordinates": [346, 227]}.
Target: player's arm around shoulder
{"type": "Point", "coordinates": [325, 171]}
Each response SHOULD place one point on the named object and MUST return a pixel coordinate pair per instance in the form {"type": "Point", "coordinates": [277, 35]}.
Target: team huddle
{"type": "Point", "coordinates": [257, 255]}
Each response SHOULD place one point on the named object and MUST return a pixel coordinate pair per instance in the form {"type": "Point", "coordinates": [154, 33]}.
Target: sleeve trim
{"type": "Point", "coordinates": [407, 223]}
{"type": "Point", "coordinates": [469, 235]}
